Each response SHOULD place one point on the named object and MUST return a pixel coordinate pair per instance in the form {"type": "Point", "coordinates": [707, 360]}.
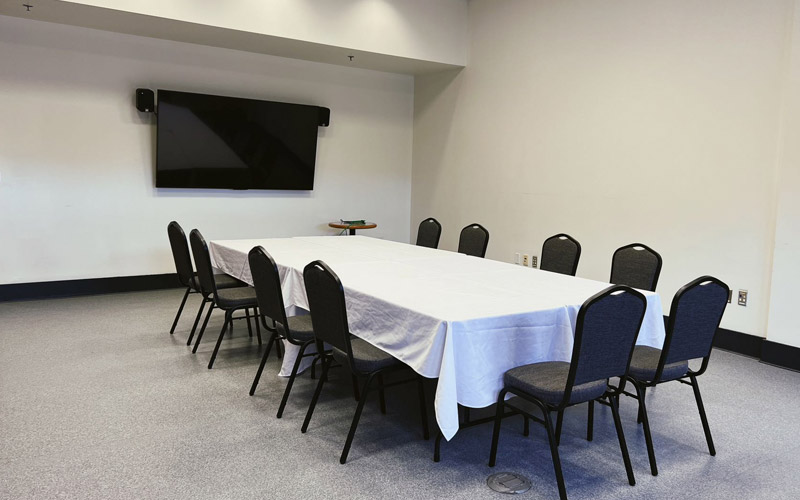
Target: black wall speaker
{"type": "Point", "coordinates": [324, 117]}
{"type": "Point", "coordinates": [145, 100]}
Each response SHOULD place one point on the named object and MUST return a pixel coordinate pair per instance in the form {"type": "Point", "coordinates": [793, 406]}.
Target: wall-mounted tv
{"type": "Point", "coordinates": [216, 142]}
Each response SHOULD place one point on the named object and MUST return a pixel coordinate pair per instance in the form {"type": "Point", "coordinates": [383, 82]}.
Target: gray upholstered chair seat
{"type": "Point", "coordinates": [226, 281]}
{"type": "Point", "coordinates": [366, 357]}
{"type": "Point", "coordinates": [300, 326]}
{"type": "Point", "coordinates": [547, 381]}
{"type": "Point", "coordinates": [236, 298]}
{"type": "Point", "coordinates": [222, 280]}
{"type": "Point", "coordinates": [645, 361]}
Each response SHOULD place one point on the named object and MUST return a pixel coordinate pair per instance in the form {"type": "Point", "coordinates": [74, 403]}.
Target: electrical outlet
{"type": "Point", "coordinates": [516, 260]}
{"type": "Point", "coordinates": [525, 260]}
{"type": "Point", "coordinates": [534, 261]}
{"type": "Point", "coordinates": [730, 292]}
{"type": "Point", "coordinates": [743, 298]}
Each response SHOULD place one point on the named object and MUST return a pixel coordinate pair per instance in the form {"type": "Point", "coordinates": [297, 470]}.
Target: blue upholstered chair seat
{"type": "Point", "coordinates": [547, 382]}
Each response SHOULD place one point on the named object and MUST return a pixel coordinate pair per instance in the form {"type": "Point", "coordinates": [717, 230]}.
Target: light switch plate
{"type": "Point", "coordinates": [743, 298]}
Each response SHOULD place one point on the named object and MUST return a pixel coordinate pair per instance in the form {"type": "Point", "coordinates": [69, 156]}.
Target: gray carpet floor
{"type": "Point", "coordinates": [97, 400]}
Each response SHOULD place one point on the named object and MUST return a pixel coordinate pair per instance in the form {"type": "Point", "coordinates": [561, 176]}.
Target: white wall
{"type": "Point", "coordinates": [615, 122]}
{"type": "Point", "coordinates": [431, 30]}
{"type": "Point", "coordinates": [784, 322]}
{"type": "Point", "coordinates": [77, 196]}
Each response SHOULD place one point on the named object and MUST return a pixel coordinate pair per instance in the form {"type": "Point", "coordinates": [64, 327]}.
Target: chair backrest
{"type": "Point", "coordinates": [637, 266]}
{"type": "Point", "coordinates": [428, 233]}
{"type": "Point", "coordinates": [473, 240]}
{"type": "Point", "coordinates": [694, 317]}
{"type": "Point", "coordinates": [560, 254]}
{"type": "Point", "coordinates": [205, 273]}
{"type": "Point", "coordinates": [180, 253]}
{"type": "Point", "coordinates": [267, 282]}
{"type": "Point", "coordinates": [605, 334]}
{"type": "Point", "coordinates": [327, 307]}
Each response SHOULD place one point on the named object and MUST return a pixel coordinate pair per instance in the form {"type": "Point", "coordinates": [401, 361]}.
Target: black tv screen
{"type": "Point", "coordinates": [216, 142]}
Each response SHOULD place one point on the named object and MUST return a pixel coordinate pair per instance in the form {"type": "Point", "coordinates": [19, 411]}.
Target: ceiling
{"type": "Point", "coordinates": [118, 21]}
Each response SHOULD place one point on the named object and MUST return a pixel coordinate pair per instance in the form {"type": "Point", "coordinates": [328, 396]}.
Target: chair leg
{"type": "Point", "coordinates": [559, 424]}
{"type": "Point", "coordinates": [180, 310]}
{"type": "Point", "coordinates": [703, 418]}
{"type": "Point", "coordinates": [263, 363]}
{"type": "Point", "coordinates": [423, 408]}
{"type": "Point", "coordinates": [356, 418]}
{"type": "Point", "coordinates": [590, 422]}
{"type": "Point", "coordinates": [498, 418]}
{"type": "Point", "coordinates": [437, 445]}
{"type": "Point", "coordinates": [562, 489]}
{"type": "Point", "coordinates": [621, 436]}
{"type": "Point", "coordinates": [639, 416]}
{"type": "Point", "coordinates": [381, 394]}
{"type": "Point", "coordinates": [355, 388]}
{"type": "Point", "coordinates": [247, 318]}
{"type": "Point", "coordinates": [196, 321]}
{"type": "Point", "coordinates": [228, 321]}
{"type": "Point", "coordinates": [291, 379]}
{"type": "Point", "coordinates": [648, 439]}
{"type": "Point", "coordinates": [256, 321]}
{"type": "Point", "coordinates": [315, 397]}
{"type": "Point", "coordinates": [202, 329]}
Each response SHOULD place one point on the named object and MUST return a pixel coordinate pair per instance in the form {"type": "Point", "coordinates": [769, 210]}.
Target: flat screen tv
{"type": "Point", "coordinates": [216, 142]}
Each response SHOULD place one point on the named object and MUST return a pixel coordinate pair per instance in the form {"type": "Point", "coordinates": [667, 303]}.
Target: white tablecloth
{"type": "Point", "coordinates": [462, 319]}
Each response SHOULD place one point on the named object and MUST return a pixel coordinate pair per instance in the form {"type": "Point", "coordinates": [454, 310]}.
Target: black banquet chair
{"type": "Point", "coordinates": [229, 299]}
{"type": "Point", "coordinates": [295, 329]}
{"type": "Point", "coordinates": [428, 233]}
{"type": "Point", "coordinates": [694, 317]}
{"type": "Point", "coordinates": [329, 317]}
{"type": "Point", "coordinates": [187, 276]}
{"type": "Point", "coordinates": [636, 265]}
{"type": "Point", "coordinates": [606, 331]}
{"type": "Point", "coordinates": [560, 254]}
{"type": "Point", "coordinates": [473, 240]}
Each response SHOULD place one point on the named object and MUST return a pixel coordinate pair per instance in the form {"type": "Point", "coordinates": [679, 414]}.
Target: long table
{"type": "Point", "coordinates": [461, 319]}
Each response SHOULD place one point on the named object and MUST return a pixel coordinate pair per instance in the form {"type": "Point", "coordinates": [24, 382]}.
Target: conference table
{"type": "Point", "coordinates": [458, 318]}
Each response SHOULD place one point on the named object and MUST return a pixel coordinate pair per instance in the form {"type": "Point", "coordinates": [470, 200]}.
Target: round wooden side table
{"type": "Point", "coordinates": [352, 227]}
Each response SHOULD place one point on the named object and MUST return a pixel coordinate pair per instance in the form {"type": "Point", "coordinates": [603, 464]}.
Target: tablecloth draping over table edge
{"type": "Point", "coordinates": [462, 319]}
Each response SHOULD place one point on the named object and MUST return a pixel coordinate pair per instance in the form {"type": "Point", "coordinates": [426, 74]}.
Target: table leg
{"type": "Point", "coordinates": [352, 232]}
